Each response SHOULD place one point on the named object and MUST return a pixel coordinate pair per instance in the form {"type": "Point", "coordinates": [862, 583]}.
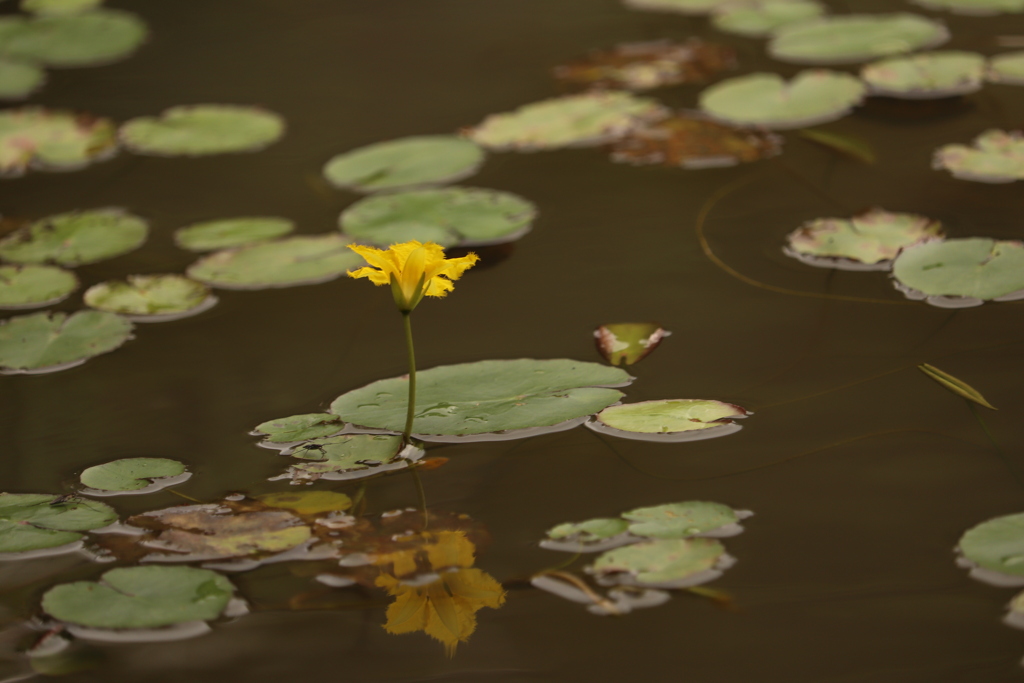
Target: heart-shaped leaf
{"type": "Point", "coordinates": [203, 129]}
{"type": "Point", "coordinates": [47, 342]}
{"type": "Point", "coordinates": [406, 162]}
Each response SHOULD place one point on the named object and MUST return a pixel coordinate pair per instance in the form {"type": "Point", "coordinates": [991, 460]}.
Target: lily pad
{"type": "Point", "coordinates": [692, 141]}
{"type": "Point", "coordinates": [202, 129]}
{"type": "Point", "coordinates": [34, 286]}
{"type": "Point", "coordinates": [628, 343]}
{"type": "Point", "coordinates": [300, 427]}
{"type": "Point", "coordinates": [406, 162]}
{"type": "Point", "coordinates": [52, 140]}
{"type": "Point", "coordinates": [19, 79]}
{"type": "Point", "coordinates": [669, 563]}
{"type": "Point", "coordinates": [151, 298]}
{"type": "Point", "coordinates": [308, 502]}
{"type": "Point", "coordinates": [866, 242]}
{"type": "Point", "coordinates": [977, 268]}
{"type": "Point", "coordinates": [141, 597]}
{"type": "Point", "coordinates": [973, 7]}
{"type": "Point", "coordinates": [591, 118]}
{"type": "Point", "coordinates": [680, 6]}
{"type": "Point", "coordinates": [89, 38]}
{"type": "Point", "coordinates": [302, 260]}
{"type": "Point", "coordinates": [134, 475]}
{"type": "Point", "coordinates": [761, 17]}
{"type": "Point", "coordinates": [54, 7]}
{"type": "Point", "coordinates": [1007, 68]}
{"type": "Point", "coordinates": [591, 536]}
{"type": "Point", "coordinates": [48, 342]}
{"type": "Point", "coordinates": [447, 216]}
{"type": "Point", "coordinates": [927, 75]}
{"type": "Point", "coordinates": [231, 232]}
{"type": "Point", "coordinates": [669, 420]}
{"type": "Point", "coordinates": [38, 521]}
{"type": "Point", "coordinates": [996, 545]}
{"type": "Point", "coordinates": [996, 156]}
{"type": "Point", "coordinates": [492, 397]}
{"type": "Point", "coordinates": [643, 66]}
{"type": "Point", "coordinates": [766, 99]}
{"type": "Point", "coordinates": [76, 238]}
{"type": "Point", "coordinates": [682, 520]}
{"type": "Point", "coordinates": [851, 38]}
{"type": "Point", "coordinates": [349, 456]}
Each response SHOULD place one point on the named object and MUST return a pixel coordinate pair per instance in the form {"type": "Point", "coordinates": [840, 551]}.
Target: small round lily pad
{"type": "Point", "coordinates": [926, 75]}
{"type": "Point", "coordinates": [141, 597]}
{"type": "Point", "coordinates": [34, 286]}
{"type": "Point", "coordinates": [680, 520]}
{"type": "Point", "coordinates": [348, 456]}
{"type": "Point", "coordinates": [760, 17]}
{"type": "Point", "coordinates": [300, 427]}
{"type": "Point", "coordinates": [851, 38]}
{"type": "Point", "coordinates": [766, 99]}
{"type": "Point", "coordinates": [151, 298]}
{"type": "Point", "coordinates": [39, 521]}
{"type": "Point", "coordinates": [55, 7]}
{"type": "Point", "coordinates": [227, 233]}
{"type": "Point", "coordinates": [133, 475]}
{"type": "Point", "coordinates": [1007, 68]}
{"type": "Point", "coordinates": [690, 140]}
{"type": "Point", "coordinates": [671, 420]}
{"type": "Point", "coordinates": [590, 536]}
{"type": "Point", "coordinates": [662, 563]}
{"type": "Point", "coordinates": [996, 156]}
{"type": "Point", "coordinates": [302, 260]}
{"type": "Point", "coordinates": [48, 342]}
{"type": "Point", "coordinates": [76, 238]}
{"type": "Point", "coordinates": [19, 79]}
{"type": "Point", "coordinates": [679, 6]}
{"type": "Point", "coordinates": [643, 66]}
{"type": "Point", "coordinates": [973, 7]}
{"type": "Point", "coordinates": [976, 268]}
{"type": "Point", "coordinates": [628, 343]}
{"type": "Point", "coordinates": [446, 216]}
{"type": "Point", "coordinates": [202, 129]}
{"type": "Point", "coordinates": [91, 38]}
{"type": "Point", "coordinates": [52, 140]}
{"type": "Point", "coordinates": [406, 162]}
{"type": "Point", "coordinates": [996, 545]}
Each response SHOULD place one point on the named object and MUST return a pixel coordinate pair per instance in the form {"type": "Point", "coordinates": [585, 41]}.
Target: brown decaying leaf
{"type": "Point", "coordinates": [690, 141]}
{"type": "Point", "coordinates": [642, 66]}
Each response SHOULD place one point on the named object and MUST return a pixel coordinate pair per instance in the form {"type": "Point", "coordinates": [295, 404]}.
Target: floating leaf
{"type": "Point", "coordinates": [76, 238]}
{"type": "Point", "coordinates": [977, 268]}
{"type": "Point", "coordinates": [866, 242]}
{"type": "Point", "coordinates": [47, 342]}
{"type": "Point", "coordinates": [957, 386]}
{"type": "Point", "coordinates": [33, 137]}
{"type": "Point", "coordinates": [1007, 68]}
{"type": "Point", "coordinates": [34, 286]}
{"type": "Point", "coordinates": [996, 545]}
{"type": "Point", "coordinates": [927, 75]}
{"type": "Point", "coordinates": [37, 521]}
{"type": "Point", "coordinates": [852, 38]}
{"type": "Point", "coordinates": [55, 7]}
{"type": "Point", "coordinates": [591, 536]}
{"type": "Point", "coordinates": [405, 162]}
{"type": "Point", "coordinates": [447, 216]}
{"type": "Point", "coordinates": [307, 502]}
{"type": "Point", "coordinates": [300, 427]}
{"type": "Point", "coordinates": [486, 397]}
{"type": "Point", "coordinates": [642, 66]}
{"type": "Point", "coordinates": [761, 17]}
{"type": "Point", "coordinates": [349, 456]}
{"type": "Point", "coordinates": [628, 343]}
{"type": "Point", "coordinates": [19, 79]}
{"type": "Point", "coordinates": [151, 298]}
{"type": "Point", "coordinates": [996, 156]}
{"type": "Point", "coordinates": [574, 120]}
{"type": "Point", "coordinates": [680, 520]}
{"type": "Point", "coordinates": [133, 474]}
{"type": "Point", "coordinates": [670, 563]}
{"type": "Point", "coordinates": [91, 38]}
{"type": "Point", "coordinates": [141, 597]}
{"type": "Point", "coordinates": [303, 260]}
{"type": "Point", "coordinates": [231, 232]}
{"type": "Point", "coordinates": [765, 99]}
{"type": "Point", "coordinates": [680, 6]}
{"type": "Point", "coordinates": [669, 420]}
{"type": "Point", "coordinates": [973, 7]}
{"type": "Point", "coordinates": [855, 148]}
{"type": "Point", "coordinates": [692, 141]}
{"type": "Point", "coordinates": [203, 129]}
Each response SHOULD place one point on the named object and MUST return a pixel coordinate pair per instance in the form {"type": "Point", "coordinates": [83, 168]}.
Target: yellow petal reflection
{"type": "Point", "coordinates": [413, 269]}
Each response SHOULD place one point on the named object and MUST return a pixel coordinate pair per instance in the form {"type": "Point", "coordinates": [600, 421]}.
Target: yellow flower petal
{"type": "Point", "coordinates": [413, 268]}
{"type": "Point", "coordinates": [377, 277]}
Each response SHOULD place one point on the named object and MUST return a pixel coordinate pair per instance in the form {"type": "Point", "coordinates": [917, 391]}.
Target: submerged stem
{"type": "Point", "coordinates": [411, 410]}
{"type": "Point", "coordinates": [999, 449]}
{"type": "Point", "coordinates": [422, 495]}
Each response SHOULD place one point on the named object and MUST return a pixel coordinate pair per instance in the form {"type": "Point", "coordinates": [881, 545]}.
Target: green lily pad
{"type": "Point", "coordinates": [228, 233]}
{"type": "Point", "coordinates": [973, 7]}
{"type": "Point", "coordinates": [496, 398]}
{"type": "Point", "coordinates": [406, 162]}
{"type": "Point", "coordinates": [866, 242]}
{"type": "Point", "coordinates": [761, 17]}
{"type": "Point", "coordinates": [141, 597]}
{"type": "Point", "coordinates": [151, 298]}
{"type": "Point", "coordinates": [19, 79]}
{"type": "Point", "coordinates": [48, 342]}
{"type": "Point", "coordinates": [977, 268]}
{"type": "Point", "coordinates": [34, 286]}
{"type": "Point", "coordinates": [682, 520]}
{"type": "Point", "coordinates": [202, 129]}
{"type": "Point", "coordinates": [669, 420]}
{"type": "Point", "coordinates": [995, 156]}
{"type": "Point", "coordinates": [446, 216]}
{"type": "Point", "coordinates": [348, 456]}
{"type": "Point", "coordinates": [133, 475]}
{"type": "Point", "coordinates": [302, 260]}
{"type": "Point", "coordinates": [49, 140]}
{"type": "Point", "coordinates": [926, 75]}
{"type": "Point", "coordinates": [39, 521]}
{"type": "Point", "coordinates": [654, 64]}
{"type": "Point", "coordinates": [766, 99]}
{"type": "Point", "coordinates": [591, 536]}
{"type": "Point", "coordinates": [76, 238]}
{"type": "Point", "coordinates": [996, 545]}
{"type": "Point", "coordinates": [592, 118]}
{"type": "Point", "coordinates": [679, 6]}
{"type": "Point", "coordinates": [628, 343]}
{"type": "Point", "coordinates": [90, 38]}
{"type": "Point", "coordinates": [300, 427]}
{"type": "Point", "coordinates": [1007, 68]}
{"type": "Point", "coordinates": [55, 7]}
{"type": "Point", "coordinates": [851, 38]}
{"type": "Point", "coordinates": [668, 563]}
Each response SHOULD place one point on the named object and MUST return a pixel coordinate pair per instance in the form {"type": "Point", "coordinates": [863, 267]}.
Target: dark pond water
{"type": "Point", "coordinates": [862, 472]}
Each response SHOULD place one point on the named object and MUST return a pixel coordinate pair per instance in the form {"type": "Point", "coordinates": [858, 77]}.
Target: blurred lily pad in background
{"type": "Point", "coordinates": [759, 18]}
{"type": "Point", "coordinates": [683, 520]}
{"type": "Point", "coordinates": [133, 475]}
{"type": "Point", "coordinates": [34, 286]}
{"type": "Point", "coordinates": [995, 156]}
{"type": "Point", "coordinates": [643, 66]}
{"type": "Point", "coordinates": [690, 140]}
{"type": "Point", "coordinates": [38, 521]}
{"type": "Point", "coordinates": [19, 79]}
{"type": "Point", "coordinates": [48, 342]}
{"type": "Point", "coordinates": [679, 6]}
{"type": "Point", "coordinates": [668, 563]}
{"type": "Point", "coordinates": [151, 298]}
{"type": "Point", "coordinates": [55, 7]}
{"type": "Point", "coordinates": [976, 268]}
{"type": "Point", "coordinates": [851, 38]}
{"type": "Point", "coordinates": [997, 545]}
{"type": "Point", "coordinates": [76, 238]}
{"type": "Point", "coordinates": [201, 129]}
{"type": "Point", "coordinates": [90, 38]}
{"type": "Point", "coordinates": [628, 343]}
{"type": "Point", "coordinates": [927, 75]}
{"type": "Point", "coordinates": [973, 7]}
{"type": "Point", "coordinates": [226, 233]}
{"type": "Point", "coordinates": [406, 162]}
{"type": "Point", "coordinates": [1007, 68]}
{"type": "Point", "coordinates": [54, 140]}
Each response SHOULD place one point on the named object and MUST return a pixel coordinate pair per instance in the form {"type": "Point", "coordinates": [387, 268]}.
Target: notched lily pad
{"type": "Point", "coordinates": [151, 298]}
{"type": "Point", "coordinates": [76, 238]}
{"type": "Point", "coordinates": [488, 400]}
{"type": "Point", "coordinates": [35, 523]}
{"type": "Point", "coordinates": [869, 241]}
{"type": "Point", "coordinates": [406, 162]}
{"type": "Point", "coordinates": [1007, 68]}
{"type": "Point", "coordinates": [669, 563]}
{"type": "Point", "coordinates": [202, 129]}
{"type": "Point", "coordinates": [851, 38]}
{"type": "Point", "coordinates": [227, 233]}
{"type": "Point", "coordinates": [52, 140]}
{"type": "Point", "coordinates": [588, 119]}
{"type": "Point", "coordinates": [669, 420]}
{"type": "Point", "coordinates": [995, 156]}
{"type": "Point", "coordinates": [591, 536]}
{"type": "Point", "coordinates": [957, 273]}
{"type": "Point", "coordinates": [927, 75]}
{"type": "Point", "coordinates": [285, 430]}
{"type": "Point", "coordinates": [628, 343]}
{"type": "Point", "coordinates": [349, 456]}
{"type": "Point", "coordinates": [759, 18]}
{"type": "Point", "coordinates": [100, 36]}
{"type": "Point", "coordinates": [973, 7]}
{"type": "Point", "coordinates": [19, 79]}
{"type": "Point", "coordinates": [643, 66]}
{"type": "Point", "coordinates": [994, 550]}
{"type": "Point", "coordinates": [690, 140]}
{"type": "Point", "coordinates": [684, 520]}
{"type": "Point", "coordinates": [34, 286]}
{"type": "Point", "coordinates": [679, 6]}
{"type": "Point", "coordinates": [133, 475]}
{"type": "Point", "coordinates": [47, 342]}
{"type": "Point", "coordinates": [448, 216]}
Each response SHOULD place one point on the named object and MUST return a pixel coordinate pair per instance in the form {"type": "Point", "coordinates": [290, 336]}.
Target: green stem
{"type": "Point", "coordinates": [411, 411]}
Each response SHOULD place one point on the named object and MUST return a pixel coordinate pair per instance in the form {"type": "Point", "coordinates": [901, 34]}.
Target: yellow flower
{"type": "Point", "coordinates": [413, 270]}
